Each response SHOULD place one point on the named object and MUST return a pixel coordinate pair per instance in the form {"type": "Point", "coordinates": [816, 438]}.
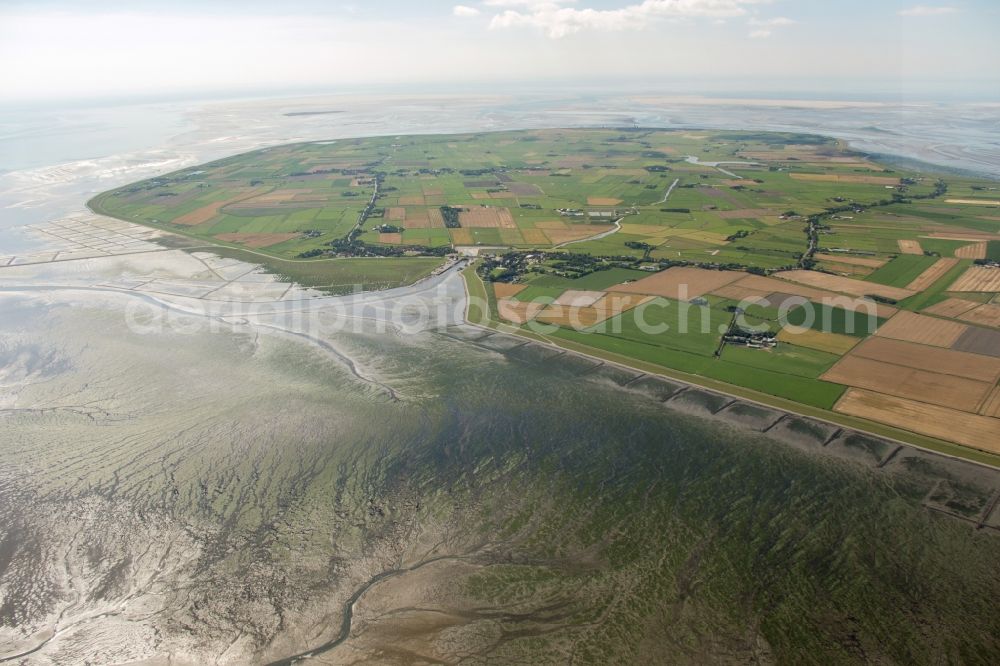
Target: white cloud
{"type": "Point", "coordinates": [558, 21]}
{"type": "Point", "coordinates": [765, 27]}
{"type": "Point", "coordinates": [464, 11]}
{"type": "Point", "coordinates": [924, 10]}
{"type": "Point", "coordinates": [778, 21]}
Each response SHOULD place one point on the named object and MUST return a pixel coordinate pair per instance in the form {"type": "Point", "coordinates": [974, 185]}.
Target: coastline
{"type": "Point", "coordinates": [862, 426]}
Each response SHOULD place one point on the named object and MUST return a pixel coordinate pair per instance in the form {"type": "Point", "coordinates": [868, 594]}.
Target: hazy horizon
{"type": "Point", "coordinates": [939, 51]}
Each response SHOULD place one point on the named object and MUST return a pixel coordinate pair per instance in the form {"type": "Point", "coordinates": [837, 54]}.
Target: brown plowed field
{"type": "Point", "coordinates": [909, 247]}
{"type": "Point", "coordinates": [681, 283]}
{"type": "Point", "coordinates": [908, 382]}
{"type": "Point", "coordinates": [932, 359]}
{"type": "Point", "coordinates": [390, 239]}
{"type": "Point", "coordinates": [933, 273]}
{"type": "Point", "coordinates": [518, 312]}
{"type": "Point", "coordinates": [979, 432]}
{"type": "Point", "coordinates": [922, 329]}
{"type": "Point", "coordinates": [395, 214]}
{"type": "Point", "coordinates": [602, 201]}
{"type": "Point", "coordinates": [774, 287]}
{"type": "Point", "coordinates": [507, 290]}
{"type": "Point", "coordinates": [844, 285]}
{"type": "Point", "coordinates": [580, 318]}
{"type": "Point", "coordinates": [978, 278]}
{"type": "Point", "coordinates": [975, 340]}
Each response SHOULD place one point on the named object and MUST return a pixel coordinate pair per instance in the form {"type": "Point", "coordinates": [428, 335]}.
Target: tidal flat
{"type": "Point", "coordinates": [197, 496]}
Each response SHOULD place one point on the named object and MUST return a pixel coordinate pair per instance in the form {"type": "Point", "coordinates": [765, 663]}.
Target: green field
{"type": "Point", "coordinates": [902, 270]}
{"type": "Point", "coordinates": [589, 210]}
{"type": "Point", "coordinates": [993, 250]}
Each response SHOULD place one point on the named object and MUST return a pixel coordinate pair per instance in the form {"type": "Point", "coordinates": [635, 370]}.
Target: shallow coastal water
{"type": "Point", "coordinates": [226, 477]}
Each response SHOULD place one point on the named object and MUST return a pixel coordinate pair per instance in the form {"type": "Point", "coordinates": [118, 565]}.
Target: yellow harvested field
{"type": "Point", "coordinates": [705, 237]}
{"type": "Point", "coordinates": [951, 307]}
{"type": "Point", "coordinates": [771, 286]}
{"type": "Point", "coordinates": [964, 236]}
{"type": "Point", "coordinates": [745, 213]}
{"type": "Point", "coordinates": [390, 239]}
{"type": "Point", "coordinates": [833, 343]}
{"type": "Point", "coordinates": [848, 270]}
{"type": "Point", "coordinates": [991, 406]}
{"type": "Point", "coordinates": [208, 211]}
{"type": "Point", "coordinates": [511, 237]}
{"type": "Point", "coordinates": [435, 217]}
{"type": "Point", "coordinates": [681, 283]}
{"type": "Point", "coordinates": [654, 230]}
{"type": "Point", "coordinates": [602, 201]}
{"type": "Point", "coordinates": [461, 236]}
{"type": "Point", "coordinates": [848, 259]}
{"type": "Point", "coordinates": [978, 278]}
{"type": "Point", "coordinates": [845, 178]}
{"type": "Point", "coordinates": [395, 214]}
{"type": "Point", "coordinates": [932, 359]}
{"type": "Point", "coordinates": [257, 240]}
{"type": "Point", "coordinates": [843, 284]}
{"type": "Point", "coordinates": [984, 315]}
{"type": "Point", "coordinates": [738, 293]}
{"type": "Point", "coordinates": [974, 202]}
{"type": "Point", "coordinates": [576, 232]}
{"type": "Point", "coordinates": [507, 290]}
{"type": "Point", "coordinates": [974, 251]}
{"type": "Point", "coordinates": [909, 247]}
{"type": "Point", "coordinates": [551, 224]}
{"type": "Point", "coordinates": [535, 236]}
{"type": "Point", "coordinates": [578, 299]}
{"type": "Point", "coordinates": [922, 329]}
{"type": "Point", "coordinates": [612, 305]}
{"type": "Point", "coordinates": [932, 274]}
{"type": "Point", "coordinates": [978, 432]}
{"type": "Point", "coordinates": [487, 217]}
{"type": "Point", "coordinates": [417, 219]}
{"type": "Point", "coordinates": [518, 312]}
{"type": "Point", "coordinates": [908, 382]}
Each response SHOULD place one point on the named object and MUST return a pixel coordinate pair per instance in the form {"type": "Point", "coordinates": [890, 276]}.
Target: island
{"type": "Point", "coordinates": [783, 268]}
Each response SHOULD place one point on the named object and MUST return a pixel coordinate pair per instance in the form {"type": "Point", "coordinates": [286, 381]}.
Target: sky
{"type": "Point", "coordinates": [940, 49]}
